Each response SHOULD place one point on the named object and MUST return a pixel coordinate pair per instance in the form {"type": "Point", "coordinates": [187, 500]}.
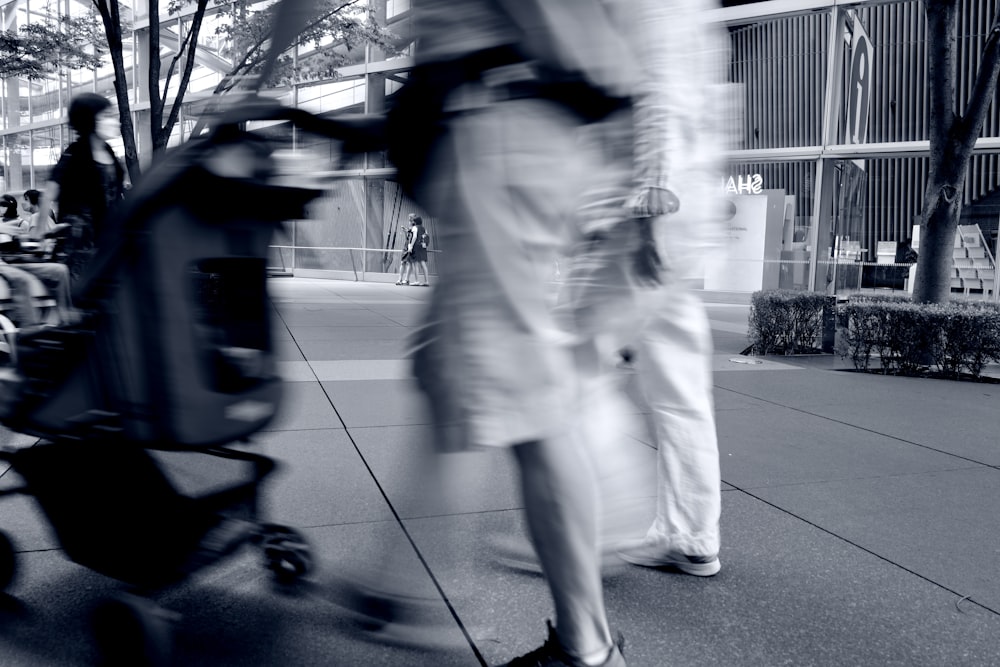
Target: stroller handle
{"type": "Point", "coordinates": [359, 132]}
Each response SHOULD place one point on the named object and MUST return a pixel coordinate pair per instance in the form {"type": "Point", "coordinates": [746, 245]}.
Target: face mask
{"type": "Point", "coordinates": [107, 127]}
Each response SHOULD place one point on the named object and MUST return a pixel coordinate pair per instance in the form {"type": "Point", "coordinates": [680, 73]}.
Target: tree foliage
{"type": "Point", "coordinates": [40, 49]}
{"type": "Point", "coordinates": [328, 40]}
{"type": "Point", "coordinates": [338, 28]}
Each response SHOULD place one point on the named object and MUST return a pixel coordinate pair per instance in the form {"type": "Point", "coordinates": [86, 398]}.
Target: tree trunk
{"type": "Point", "coordinates": [153, 76]}
{"type": "Point", "coordinates": [942, 197]}
{"type": "Point", "coordinates": [113, 31]}
{"type": "Point", "coordinates": [188, 50]}
{"type": "Point", "coordinates": [942, 210]}
{"type": "Point", "coordinates": [952, 138]}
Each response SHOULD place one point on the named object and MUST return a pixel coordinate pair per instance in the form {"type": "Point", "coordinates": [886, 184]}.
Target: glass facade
{"type": "Point", "coordinates": [835, 120]}
{"type": "Point", "coordinates": [831, 124]}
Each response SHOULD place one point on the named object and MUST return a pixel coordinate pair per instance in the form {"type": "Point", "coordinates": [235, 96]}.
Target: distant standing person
{"type": "Point", "coordinates": [88, 180]}
{"type": "Point", "coordinates": [417, 247]}
{"type": "Point", "coordinates": [404, 260]}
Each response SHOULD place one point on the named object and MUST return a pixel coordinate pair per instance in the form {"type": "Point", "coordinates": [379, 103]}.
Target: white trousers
{"type": "Point", "coordinates": [674, 365]}
{"type": "Point", "coordinates": [668, 328]}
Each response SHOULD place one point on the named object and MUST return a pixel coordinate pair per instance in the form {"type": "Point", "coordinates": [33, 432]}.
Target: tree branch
{"type": "Point", "coordinates": [968, 128]}
{"type": "Point", "coordinates": [173, 66]}
{"type": "Point", "coordinates": [192, 39]}
{"type": "Point", "coordinates": [257, 49]}
{"type": "Point", "coordinates": [246, 64]}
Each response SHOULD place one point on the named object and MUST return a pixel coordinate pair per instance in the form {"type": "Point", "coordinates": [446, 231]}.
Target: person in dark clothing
{"type": "Point", "coordinates": [905, 254]}
{"type": "Point", "coordinates": [416, 246]}
{"type": "Point", "coordinates": [88, 180]}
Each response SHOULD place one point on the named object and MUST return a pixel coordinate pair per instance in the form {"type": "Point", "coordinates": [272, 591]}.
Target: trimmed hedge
{"type": "Point", "coordinates": [905, 337]}
{"type": "Point", "coordinates": [786, 321]}
{"type": "Point", "coordinates": [909, 337]}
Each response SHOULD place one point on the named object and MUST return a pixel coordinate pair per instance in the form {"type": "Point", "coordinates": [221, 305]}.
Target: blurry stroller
{"type": "Point", "coordinates": [171, 358]}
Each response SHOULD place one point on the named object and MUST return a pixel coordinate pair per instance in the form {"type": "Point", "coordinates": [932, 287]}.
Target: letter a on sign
{"type": "Point", "coordinates": [860, 86]}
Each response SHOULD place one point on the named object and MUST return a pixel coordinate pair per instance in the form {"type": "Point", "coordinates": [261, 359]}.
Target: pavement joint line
{"type": "Point", "coordinates": [10, 466]}
{"type": "Point", "coordinates": [859, 479]}
{"type": "Point", "coordinates": [399, 521]}
{"type": "Point", "coordinates": [426, 517]}
{"type": "Point", "coordinates": [447, 515]}
{"type": "Point", "coordinates": [962, 598]}
{"type": "Point", "coordinates": [860, 428]}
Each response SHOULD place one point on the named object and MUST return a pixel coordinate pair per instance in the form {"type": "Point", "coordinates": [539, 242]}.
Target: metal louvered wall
{"type": "Point", "coordinates": [894, 198]}
{"type": "Point", "coordinates": [899, 97]}
{"type": "Point", "coordinates": [781, 62]}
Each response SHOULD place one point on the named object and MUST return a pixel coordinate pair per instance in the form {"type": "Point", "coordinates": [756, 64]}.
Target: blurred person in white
{"type": "Point", "coordinates": [646, 228]}
{"type": "Point", "coordinates": [503, 172]}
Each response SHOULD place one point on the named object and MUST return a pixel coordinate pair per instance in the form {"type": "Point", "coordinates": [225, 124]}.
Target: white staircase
{"type": "Point", "coordinates": [974, 270]}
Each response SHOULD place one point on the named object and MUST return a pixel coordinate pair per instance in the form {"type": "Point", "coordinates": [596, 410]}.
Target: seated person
{"type": "Point", "coordinates": [10, 222]}
{"type": "Point", "coordinates": [26, 281]}
{"type": "Point", "coordinates": [36, 228]}
{"type": "Point", "coordinates": [53, 276]}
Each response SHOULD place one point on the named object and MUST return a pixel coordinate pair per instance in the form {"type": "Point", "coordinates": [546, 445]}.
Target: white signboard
{"type": "Point", "coordinates": [740, 267]}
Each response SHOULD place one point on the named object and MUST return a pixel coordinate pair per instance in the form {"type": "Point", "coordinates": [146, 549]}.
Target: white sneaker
{"type": "Point", "coordinates": [647, 555]}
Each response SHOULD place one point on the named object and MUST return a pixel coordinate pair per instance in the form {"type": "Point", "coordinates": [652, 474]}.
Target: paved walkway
{"type": "Point", "coordinates": [860, 520]}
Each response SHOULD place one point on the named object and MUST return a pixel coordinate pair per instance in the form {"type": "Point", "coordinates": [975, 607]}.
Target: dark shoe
{"type": "Point", "coordinates": [552, 654]}
{"type": "Point", "coordinates": [387, 618]}
{"type": "Point", "coordinates": [648, 555]}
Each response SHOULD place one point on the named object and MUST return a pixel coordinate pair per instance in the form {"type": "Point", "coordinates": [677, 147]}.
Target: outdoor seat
{"type": "Point", "coordinates": [44, 301]}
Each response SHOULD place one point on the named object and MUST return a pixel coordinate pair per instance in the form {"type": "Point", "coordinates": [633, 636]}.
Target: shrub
{"type": "Point", "coordinates": [971, 338]}
{"type": "Point", "coordinates": [909, 337]}
{"type": "Point", "coordinates": [785, 321]}
{"type": "Point", "coordinates": [860, 329]}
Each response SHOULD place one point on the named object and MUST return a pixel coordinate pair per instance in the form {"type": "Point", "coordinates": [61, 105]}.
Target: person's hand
{"type": "Point", "coordinates": [649, 202]}
{"type": "Point", "coordinates": [646, 262]}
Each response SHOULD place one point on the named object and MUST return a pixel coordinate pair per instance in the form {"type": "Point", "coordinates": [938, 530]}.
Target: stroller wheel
{"type": "Point", "coordinates": [287, 554]}
{"type": "Point", "coordinates": [8, 562]}
{"type": "Point", "coordinates": [133, 631]}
